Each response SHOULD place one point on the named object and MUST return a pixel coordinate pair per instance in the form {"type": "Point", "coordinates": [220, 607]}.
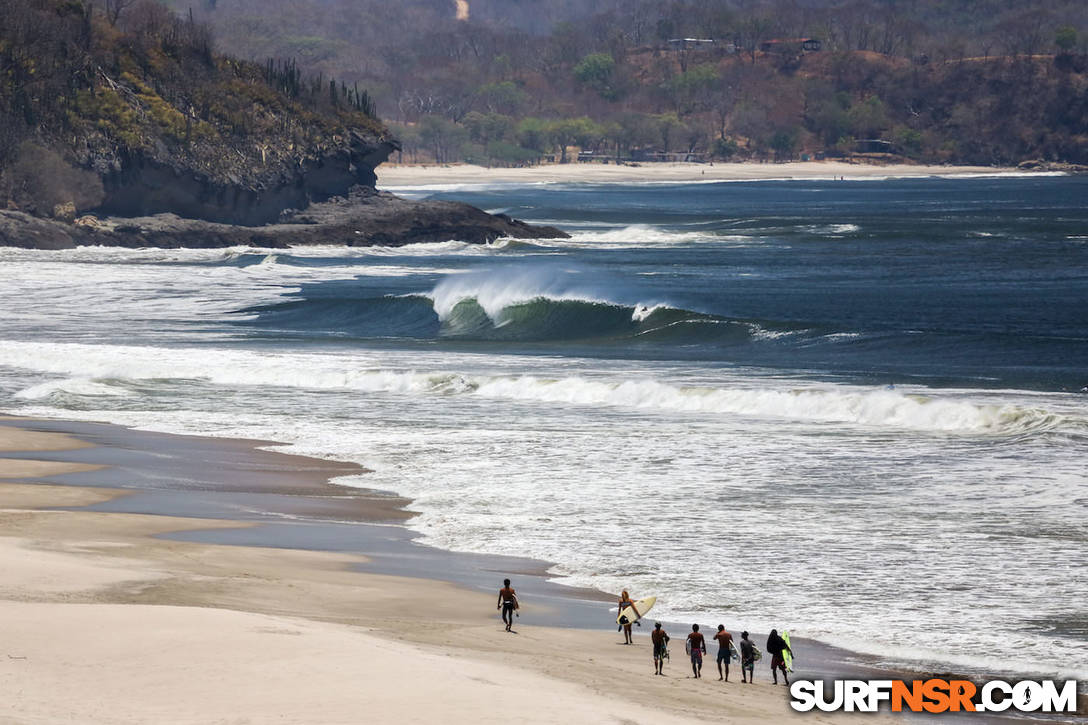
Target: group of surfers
{"type": "Point", "coordinates": [696, 642]}
{"type": "Point", "coordinates": [696, 648]}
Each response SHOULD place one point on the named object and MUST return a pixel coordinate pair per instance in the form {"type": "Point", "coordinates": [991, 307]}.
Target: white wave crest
{"type": "Point", "coordinates": [831, 230]}
{"type": "Point", "coordinates": [830, 404]}
{"type": "Point", "coordinates": [495, 290]}
{"type": "Point", "coordinates": [71, 386]}
{"type": "Point", "coordinates": [634, 235]}
{"type": "Point", "coordinates": [644, 311]}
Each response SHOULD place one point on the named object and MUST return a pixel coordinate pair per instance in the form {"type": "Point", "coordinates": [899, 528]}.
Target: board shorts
{"type": "Point", "coordinates": [777, 661]}
{"type": "Point", "coordinates": [659, 650]}
{"type": "Point", "coordinates": [723, 654]}
{"type": "Point", "coordinates": [748, 663]}
{"type": "Point", "coordinates": [507, 607]}
{"type": "Point", "coordinates": [696, 655]}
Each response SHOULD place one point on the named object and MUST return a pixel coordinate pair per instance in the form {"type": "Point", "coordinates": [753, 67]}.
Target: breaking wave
{"type": "Point", "coordinates": [543, 303]}
{"type": "Point", "coordinates": [91, 369]}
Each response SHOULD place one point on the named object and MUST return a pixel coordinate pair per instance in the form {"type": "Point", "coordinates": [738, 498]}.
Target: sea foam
{"type": "Point", "coordinates": [851, 405]}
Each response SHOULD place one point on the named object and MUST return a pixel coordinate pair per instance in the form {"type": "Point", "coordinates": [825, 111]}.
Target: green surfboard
{"type": "Point", "coordinates": [787, 656]}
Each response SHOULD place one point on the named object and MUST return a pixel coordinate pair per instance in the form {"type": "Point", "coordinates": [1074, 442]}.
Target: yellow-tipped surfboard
{"type": "Point", "coordinates": [641, 606]}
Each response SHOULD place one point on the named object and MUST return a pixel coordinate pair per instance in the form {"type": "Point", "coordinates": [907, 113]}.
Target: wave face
{"type": "Point", "coordinates": [549, 303]}
{"type": "Point", "coordinates": [518, 303]}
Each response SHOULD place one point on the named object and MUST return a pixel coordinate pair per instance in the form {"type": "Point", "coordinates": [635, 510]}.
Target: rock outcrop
{"type": "Point", "coordinates": [363, 218]}
{"type": "Point", "coordinates": [147, 184]}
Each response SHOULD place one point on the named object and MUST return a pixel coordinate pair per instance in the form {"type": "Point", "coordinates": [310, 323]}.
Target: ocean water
{"type": "Point", "coordinates": [853, 410]}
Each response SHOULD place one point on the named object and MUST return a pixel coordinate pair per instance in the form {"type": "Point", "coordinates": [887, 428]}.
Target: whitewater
{"type": "Point", "coordinates": [850, 411]}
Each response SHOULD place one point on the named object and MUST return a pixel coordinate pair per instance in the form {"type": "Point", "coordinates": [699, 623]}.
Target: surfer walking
{"type": "Point", "coordinates": [697, 648]}
{"type": "Point", "coordinates": [747, 659]}
{"type": "Point", "coordinates": [660, 638]}
{"type": "Point", "coordinates": [725, 651]}
{"type": "Point", "coordinates": [625, 622]}
{"type": "Point", "coordinates": [778, 648]}
{"type": "Point", "coordinates": [508, 603]}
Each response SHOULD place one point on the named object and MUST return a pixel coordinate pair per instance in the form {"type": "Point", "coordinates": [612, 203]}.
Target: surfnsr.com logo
{"type": "Point", "coordinates": [934, 695]}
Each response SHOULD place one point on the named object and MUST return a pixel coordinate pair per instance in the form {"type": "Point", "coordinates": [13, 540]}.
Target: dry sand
{"type": "Point", "coordinates": [105, 624]}
{"type": "Point", "coordinates": [390, 175]}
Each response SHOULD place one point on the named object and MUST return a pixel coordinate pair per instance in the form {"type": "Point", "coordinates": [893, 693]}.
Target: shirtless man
{"type": "Point", "coordinates": [660, 638]}
{"type": "Point", "coordinates": [698, 649]}
{"type": "Point", "coordinates": [747, 658]}
{"type": "Point", "coordinates": [724, 651]}
{"type": "Point", "coordinates": [508, 602]}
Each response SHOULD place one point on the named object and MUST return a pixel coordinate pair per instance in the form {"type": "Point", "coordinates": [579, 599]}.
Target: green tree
{"type": "Point", "coordinates": [1065, 38]}
{"type": "Point", "coordinates": [784, 143]}
{"type": "Point", "coordinates": [826, 114]}
{"type": "Point", "coordinates": [908, 140]}
{"type": "Point", "coordinates": [534, 133]}
{"type": "Point", "coordinates": [690, 91]}
{"type": "Point", "coordinates": [504, 97]}
{"type": "Point", "coordinates": [507, 154]}
{"type": "Point", "coordinates": [484, 128]}
{"type": "Point", "coordinates": [636, 130]}
{"type": "Point", "coordinates": [750, 121]}
{"type": "Point", "coordinates": [868, 118]}
{"type": "Point", "coordinates": [581, 131]}
{"type": "Point", "coordinates": [597, 71]}
{"type": "Point", "coordinates": [442, 136]}
{"type": "Point", "coordinates": [669, 127]}
{"type": "Point", "coordinates": [724, 148]}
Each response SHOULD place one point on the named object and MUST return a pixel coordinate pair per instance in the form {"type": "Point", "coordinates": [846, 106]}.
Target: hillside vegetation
{"type": "Point", "coordinates": [126, 107]}
{"type": "Point", "coordinates": [960, 81]}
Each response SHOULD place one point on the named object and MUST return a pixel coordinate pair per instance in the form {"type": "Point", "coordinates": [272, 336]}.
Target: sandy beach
{"type": "Point", "coordinates": [109, 621]}
{"type": "Point", "coordinates": [392, 175]}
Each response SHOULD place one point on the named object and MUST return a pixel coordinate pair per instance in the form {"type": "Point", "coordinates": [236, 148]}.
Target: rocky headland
{"type": "Point", "coordinates": [130, 131]}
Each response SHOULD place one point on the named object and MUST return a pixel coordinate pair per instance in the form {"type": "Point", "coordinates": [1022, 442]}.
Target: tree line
{"type": "Point", "coordinates": [981, 81]}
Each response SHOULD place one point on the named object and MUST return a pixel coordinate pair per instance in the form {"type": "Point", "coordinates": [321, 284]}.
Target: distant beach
{"type": "Point", "coordinates": [393, 175]}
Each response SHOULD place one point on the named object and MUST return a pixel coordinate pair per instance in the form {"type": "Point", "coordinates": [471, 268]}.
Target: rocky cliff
{"type": "Point", "coordinates": [105, 117]}
{"type": "Point", "coordinates": [142, 184]}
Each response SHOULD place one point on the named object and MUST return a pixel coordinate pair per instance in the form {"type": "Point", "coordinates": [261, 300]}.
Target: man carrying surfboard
{"type": "Point", "coordinates": [660, 638]}
{"type": "Point", "coordinates": [696, 648]}
{"type": "Point", "coordinates": [778, 648]}
{"type": "Point", "coordinates": [508, 602]}
{"type": "Point", "coordinates": [625, 621]}
{"type": "Point", "coordinates": [725, 651]}
{"type": "Point", "coordinates": [747, 658]}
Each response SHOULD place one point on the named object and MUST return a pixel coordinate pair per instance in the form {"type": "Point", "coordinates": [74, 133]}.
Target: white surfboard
{"type": "Point", "coordinates": [641, 605]}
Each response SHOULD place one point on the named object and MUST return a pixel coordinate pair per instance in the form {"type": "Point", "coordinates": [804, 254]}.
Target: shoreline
{"type": "Point", "coordinates": [215, 617]}
{"type": "Point", "coordinates": [393, 176]}
{"type": "Point", "coordinates": [203, 518]}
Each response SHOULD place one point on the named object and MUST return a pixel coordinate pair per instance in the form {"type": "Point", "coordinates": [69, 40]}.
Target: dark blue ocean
{"type": "Point", "coordinates": [943, 281]}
